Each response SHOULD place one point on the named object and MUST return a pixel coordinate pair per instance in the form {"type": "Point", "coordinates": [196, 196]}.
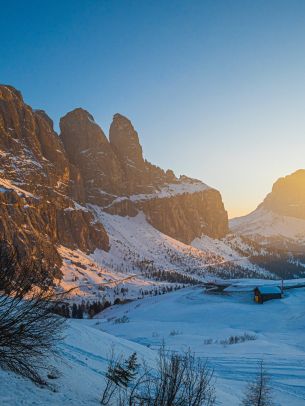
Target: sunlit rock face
{"type": "Point", "coordinates": [32, 153]}
{"type": "Point", "coordinates": [279, 221]}
{"type": "Point", "coordinates": [37, 186]}
{"type": "Point", "coordinates": [141, 175]}
{"type": "Point", "coordinates": [109, 168]}
{"type": "Point", "coordinates": [88, 148]}
{"type": "Point", "coordinates": [184, 215]}
{"type": "Point", "coordinates": [288, 196]}
{"type": "Point", "coordinates": [188, 216]}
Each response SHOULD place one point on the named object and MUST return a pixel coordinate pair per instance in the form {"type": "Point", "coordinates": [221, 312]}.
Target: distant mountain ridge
{"type": "Point", "coordinates": [279, 221]}
{"type": "Point", "coordinates": [277, 226]}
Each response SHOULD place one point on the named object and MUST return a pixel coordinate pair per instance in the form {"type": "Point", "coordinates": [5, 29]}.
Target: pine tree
{"type": "Point", "coordinates": [131, 367]}
{"type": "Point", "coordinates": [123, 373]}
{"type": "Point", "coordinates": [74, 311]}
{"type": "Point", "coordinates": [79, 312]}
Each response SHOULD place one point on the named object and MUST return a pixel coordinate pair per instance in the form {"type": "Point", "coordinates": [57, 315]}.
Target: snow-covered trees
{"type": "Point", "coordinates": [29, 329]}
{"type": "Point", "coordinates": [258, 392]}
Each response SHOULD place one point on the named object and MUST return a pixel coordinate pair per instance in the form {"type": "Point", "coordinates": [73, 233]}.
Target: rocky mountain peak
{"type": "Point", "coordinates": [89, 149]}
{"type": "Point", "coordinates": [79, 131]}
{"type": "Point", "coordinates": [45, 117]}
{"type": "Point", "coordinates": [28, 143]}
{"type": "Point", "coordinates": [288, 195]}
{"type": "Point", "coordinates": [125, 140]}
{"type": "Point", "coordinates": [7, 91]}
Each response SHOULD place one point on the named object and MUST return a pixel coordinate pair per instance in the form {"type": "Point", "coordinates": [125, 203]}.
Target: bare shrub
{"type": "Point", "coordinates": [121, 320]}
{"type": "Point", "coordinates": [175, 333]}
{"type": "Point", "coordinates": [29, 329]}
{"type": "Point", "coordinates": [179, 380]}
{"type": "Point", "coordinates": [238, 339]}
{"type": "Point", "coordinates": [231, 339]}
{"type": "Point", "coordinates": [258, 392]}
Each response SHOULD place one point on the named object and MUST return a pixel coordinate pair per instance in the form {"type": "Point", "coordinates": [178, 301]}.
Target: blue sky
{"type": "Point", "coordinates": [216, 89]}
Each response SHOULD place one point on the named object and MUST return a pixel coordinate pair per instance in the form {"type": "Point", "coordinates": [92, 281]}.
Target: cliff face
{"type": "Point", "coordinates": [48, 182]}
{"type": "Point", "coordinates": [88, 148]}
{"type": "Point", "coordinates": [23, 227]}
{"type": "Point", "coordinates": [140, 175]}
{"type": "Point", "coordinates": [288, 196]}
{"type": "Point", "coordinates": [187, 216]}
{"type": "Point", "coordinates": [183, 210]}
{"type": "Point", "coordinates": [37, 186]}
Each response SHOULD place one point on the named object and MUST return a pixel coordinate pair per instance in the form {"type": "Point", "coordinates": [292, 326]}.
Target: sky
{"type": "Point", "coordinates": [215, 88]}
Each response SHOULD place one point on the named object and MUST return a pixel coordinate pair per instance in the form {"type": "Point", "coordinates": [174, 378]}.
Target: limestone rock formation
{"type": "Point", "coordinates": [187, 216]}
{"type": "Point", "coordinates": [183, 216]}
{"type": "Point", "coordinates": [88, 148]}
{"type": "Point", "coordinates": [141, 176]}
{"type": "Point", "coordinates": [37, 186]}
{"type": "Point", "coordinates": [48, 184]}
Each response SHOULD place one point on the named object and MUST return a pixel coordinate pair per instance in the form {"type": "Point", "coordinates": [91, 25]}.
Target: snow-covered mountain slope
{"type": "Point", "coordinates": [233, 249]}
{"type": "Point", "coordinates": [142, 259]}
{"type": "Point", "coordinates": [192, 319]}
{"type": "Point", "coordinates": [83, 278]}
{"type": "Point", "coordinates": [81, 370]}
{"type": "Point", "coordinates": [137, 246]}
{"type": "Point", "coordinates": [265, 224]}
{"type": "Point", "coordinates": [277, 227]}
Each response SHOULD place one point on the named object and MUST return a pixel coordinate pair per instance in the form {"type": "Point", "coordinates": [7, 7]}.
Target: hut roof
{"type": "Point", "coordinates": [267, 290]}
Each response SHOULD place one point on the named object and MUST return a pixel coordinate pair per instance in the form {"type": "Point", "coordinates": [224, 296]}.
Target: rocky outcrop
{"type": "Point", "coordinates": [88, 148]}
{"type": "Point", "coordinates": [141, 176]}
{"type": "Point", "coordinates": [125, 140]}
{"type": "Point", "coordinates": [187, 216]}
{"type": "Point", "coordinates": [23, 227]}
{"type": "Point", "coordinates": [37, 186]}
{"type": "Point", "coordinates": [184, 210]}
{"type": "Point", "coordinates": [31, 152]}
{"type": "Point", "coordinates": [288, 196]}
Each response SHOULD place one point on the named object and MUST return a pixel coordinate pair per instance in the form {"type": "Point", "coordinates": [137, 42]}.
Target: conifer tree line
{"type": "Point", "coordinates": [81, 310]}
{"type": "Point", "coordinates": [88, 309]}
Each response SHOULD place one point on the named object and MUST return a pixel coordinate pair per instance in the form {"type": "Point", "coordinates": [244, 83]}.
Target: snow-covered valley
{"type": "Point", "coordinates": [185, 319]}
{"type": "Point", "coordinates": [142, 258]}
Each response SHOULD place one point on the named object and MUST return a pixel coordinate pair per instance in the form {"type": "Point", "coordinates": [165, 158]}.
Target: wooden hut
{"type": "Point", "coordinates": [264, 293]}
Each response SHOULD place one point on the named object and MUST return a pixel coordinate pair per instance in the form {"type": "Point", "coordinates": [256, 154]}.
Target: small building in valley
{"type": "Point", "coordinates": [264, 293]}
